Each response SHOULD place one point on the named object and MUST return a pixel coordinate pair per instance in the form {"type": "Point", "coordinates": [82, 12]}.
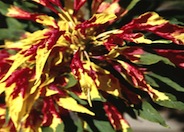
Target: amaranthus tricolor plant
{"type": "Point", "coordinates": [80, 69]}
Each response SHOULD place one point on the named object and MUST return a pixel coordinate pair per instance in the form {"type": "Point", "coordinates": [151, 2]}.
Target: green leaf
{"type": "Point", "coordinates": [176, 22]}
{"type": "Point", "coordinates": [7, 116]}
{"type": "Point", "coordinates": [103, 126]}
{"type": "Point", "coordinates": [12, 34]}
{"type": "Point", "coordinates": [132, 4]}
{"type": "Point", "coordinates": [25, 5]}
{"type": "Point", "coordinates": [47, 129]}
{"type": "Point", "coordinates": [3, 8]}
{"type": "Point", "coordinates": [15, 24]}
{"type": "Point", "coordinates": [60, 128]}
{"type": "Point", "coordinates": [77, 121]}
{"type": "Point", "coordinates": [151, 81]}
{"type": "Point", "coordinates": [72, 81]}
{"type": "Point", "coordinates": [171, 103]}
{"type": "Point", "coordinates": [149, 113]}
{"type": "Point", "coordinates": [80, 101]}
{"type": "Point", "coordinates": [167, 81]}
{"type": "Point", "coordinates": [149, 59]}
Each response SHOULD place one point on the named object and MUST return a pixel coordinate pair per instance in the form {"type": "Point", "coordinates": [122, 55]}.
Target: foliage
{"type": "Point", "coordinates": [78, 65]}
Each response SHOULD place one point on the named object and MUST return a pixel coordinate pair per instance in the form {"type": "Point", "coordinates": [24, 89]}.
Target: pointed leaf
{"type": "Point", "coordinates": [149, 113]}
{"type": "Point", "coordinates": [167, 81]}
{"type": "Point", "coordinates": [132, 4]}
{"type": "Point", "coordinates": [152, 22]}
{"type": "Point", "coordinates": [41, 58]}
{"type": "Point", "coordinates": [20, 59]}
{"type": "Point", "coordinates": [171, 102]}
{"type": "Point", "coordinates": [116, 118]}
{"type": "Point", "coordinates": [71, 104]}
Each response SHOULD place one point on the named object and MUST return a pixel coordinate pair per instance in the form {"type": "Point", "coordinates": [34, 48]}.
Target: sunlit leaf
{"type": "Point", "coordinates": [41, 58]}
{"type": "Point", "coordinates": [71, 104]}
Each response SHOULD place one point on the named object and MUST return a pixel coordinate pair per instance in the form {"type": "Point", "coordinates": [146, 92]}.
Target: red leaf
{"type": "Point", "coordinates": [175, 56]}
{"type": "Point", "coordinates": [77, 5]}
{"type": "Point", "coordinates": [133, 75]}
{"type": "Point", "coordinates": [21, 79]}
{"type": "Point", "coordinates": [115, 117]}
{"type": "Point", "coordinates": [152, 22]}
{"type": "Point", "coordinates": [131, 53]}
{"type": "Point", "coordinates": [53, 36]}
{"type": "Point", "coordinates": [50, 4]}
{"type": "Point", "coordinates": [76, 63]}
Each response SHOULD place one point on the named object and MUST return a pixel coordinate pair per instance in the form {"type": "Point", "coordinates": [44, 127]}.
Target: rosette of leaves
{"type": "Point", "coordinates": [74, 65]}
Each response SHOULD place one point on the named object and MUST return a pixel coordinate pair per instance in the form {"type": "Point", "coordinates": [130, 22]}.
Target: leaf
{"type": "Point", "coordinates": [12, 34]}
{"type": "Point", "coordinates": [171, 102]}
{"type": "Point", "coordinates": [41, 58]}
{"type": "Point", "coordinates": [71, 104]}
{"type": "Point", "coordinates": [60, 128]}
{"type": "Point", "coordinates": [152, 22]}
{"type": "Point", "coordinates": [151, 81]}
{"type": "Point", "coordinates": [167, 81]}
{"type": "Point", "coordinates": [3, 8]}
{"type": "Point", "coordinates": [73, 95]}
{"type": "Point", "coordinates": [15, 24]}
{"type": "Point", "coordinates": [116, 118]}
{"type": "Point", "coordinates": [72, 81]}
{"type": "Point", "coordinates": [77, 121]}
{"type": "Point", "coordinates": [56, 126]}
{"type": "Point", "coordinates": [149, 59]}
{"type": "Point", "coordinates": [132, 4]}
{"type": "Point", "coordinates": [19, 59]}
{"type": "Point", "coordinates": [103, 126]}
{"type": "Point", "coordinates": [149, 113]}
{"type": "Point", "coordinates": [103, 18]}
{"type": "Point", "coordinates": [47, 129]}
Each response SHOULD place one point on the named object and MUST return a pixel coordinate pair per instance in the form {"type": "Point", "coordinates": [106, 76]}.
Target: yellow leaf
{"type": "Point", "coordinates": [50, 92]}
{"type": "Point", "coordinates": [41, 58]}
{"type": "Point", "coordinates": [125, 125]}
{"type": "Point", "coordinates": [109, 84]}
{"type": "Point", "coordinates": [103, 18]}
{"type": "Point", "coordinates": [46, 20]}
{"type": "Point", "coordinates": [178, 35]}
{"type": "Point", "coordinates": [19, 59]}
{"type": "Point", "coordinates": [142, 39]}
{"type": "Point", "coordinates": [19, 107]}
{"type": "Point", "coordinates": [160, 96]}
{"type": "Point", "coordinates": [155, 19]}
{"type": "Point", "coordinates": [2, 87]}
{"type": "Point", "coordinates": [16, 109]}
{"type": "Point", "coordinates": [71, 104]}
